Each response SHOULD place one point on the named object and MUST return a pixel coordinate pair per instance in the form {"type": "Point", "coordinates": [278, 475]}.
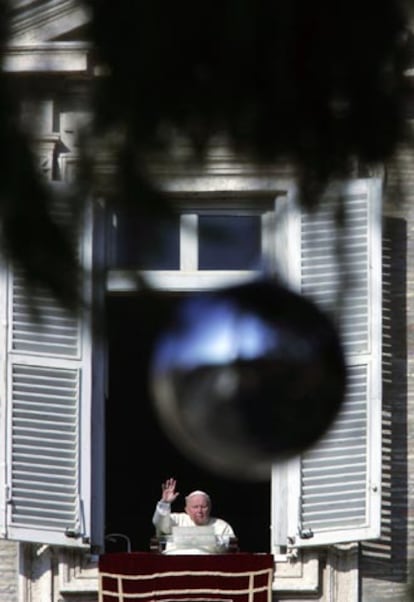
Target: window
{"type": "Point", "coordinates": [135, 318]}
{"type": "Point", "coordinates": [207, 243]}
{"type": "Point", "coordinates": [225, 241]}
{"type": "Point", "coordinates": [332, 492]}
{"type": "Point", "coordinates": [47, 402]}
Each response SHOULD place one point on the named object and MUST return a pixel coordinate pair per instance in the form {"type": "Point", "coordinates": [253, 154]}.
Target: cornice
{"type": "Point", "coordinates": [45, 20]}
{"type": "Point", "coordinates": [52, 57]}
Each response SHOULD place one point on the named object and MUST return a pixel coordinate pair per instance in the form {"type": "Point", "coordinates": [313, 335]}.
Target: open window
{"type": "Point", "coordinates": [52, 385]}
{"type": "Point", "coordinates": [201, 248]}
{"type": "Point", "coordinates": [332, 492]}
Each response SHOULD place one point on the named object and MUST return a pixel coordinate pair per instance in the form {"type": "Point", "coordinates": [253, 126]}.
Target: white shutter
{"type": "Point", "coordinates": [332, 491]}
{"type": "Point", "coordinates": [46, 405]}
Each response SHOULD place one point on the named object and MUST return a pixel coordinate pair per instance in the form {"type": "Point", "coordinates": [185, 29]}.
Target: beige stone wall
{"type": "Point", "coordinates": [52, 574]}
{"type": "Point", "coordinates": [8, 571]}
{"type": "Point", "coordinates": [385, 565]}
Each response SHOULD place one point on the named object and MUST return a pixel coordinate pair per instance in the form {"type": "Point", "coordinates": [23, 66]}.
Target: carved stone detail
{"type": "Point", "coordinates": [46, 152]}
{"type": "Point", "coordinates": [301, 575]}
{"type": "Point", "coordinates": [49, 574]}
{"type": "Point", "coordinates": [78, 572]}
{"type": "Point", "coordinates": [341, 576]}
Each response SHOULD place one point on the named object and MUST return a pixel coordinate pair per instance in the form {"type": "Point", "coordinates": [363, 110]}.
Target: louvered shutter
{"type": "Point", "coordinates": [332, 491]}
{"type": "Point", "coordinates": [46, 404]}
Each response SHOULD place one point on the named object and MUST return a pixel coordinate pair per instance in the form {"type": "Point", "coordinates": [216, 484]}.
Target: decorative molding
{"type": "Point", "coordinates": [35, 573]}
{"type": "Point", "coordinates": [47, 574]}
{"type": "Point", "coordinates": [219, 159]}
{"type": "Point", "coordinates": [71, 124]}
{"type": "Point", "coordinates": [299, 576]}
{"type": "Point", "coordinates": [34, 22]}
{"type": "Point", "coordinates": [78, 572]}
{"type": "Point", "coordinates": [68, 166]}
{"type": "Point", "coordinates": [45, 151]}
{"type": "Point", "coordinates": [341, 575]}
{"type": "Point", "coordinates": [49, 57]}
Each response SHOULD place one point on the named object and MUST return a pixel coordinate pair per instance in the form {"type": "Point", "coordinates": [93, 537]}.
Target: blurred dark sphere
{"type": "Point", "coordinates": [246, 376]}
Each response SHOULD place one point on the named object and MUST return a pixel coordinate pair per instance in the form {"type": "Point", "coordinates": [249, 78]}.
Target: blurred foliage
{"type": "Point", "coordinates": [30, 236]}
{"type": "Point", "coordinates": [319, 85]}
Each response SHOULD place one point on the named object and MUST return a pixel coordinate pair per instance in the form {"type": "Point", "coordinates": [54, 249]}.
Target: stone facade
{"type": "Point", "coordinates": [9, 571]}
{"type": "Point", "coordinates": [386, 564]}
{"type": "Point", "coordinates": [369, 572]}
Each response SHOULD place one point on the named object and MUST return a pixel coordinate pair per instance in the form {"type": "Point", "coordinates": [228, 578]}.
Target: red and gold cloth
{"type": "Point", "coordinates": [147, 577]}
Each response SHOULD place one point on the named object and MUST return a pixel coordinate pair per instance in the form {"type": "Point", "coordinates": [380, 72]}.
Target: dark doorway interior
{"type": "Point", "coordinates": [140, 455]}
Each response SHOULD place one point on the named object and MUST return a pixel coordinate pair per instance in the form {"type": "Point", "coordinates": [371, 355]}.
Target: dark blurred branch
{"type": "Point", "coordinates": [319, 85]}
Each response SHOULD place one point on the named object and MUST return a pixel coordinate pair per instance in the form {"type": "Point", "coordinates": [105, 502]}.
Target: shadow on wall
{"type": "Point", "coordinates": [386, 558]}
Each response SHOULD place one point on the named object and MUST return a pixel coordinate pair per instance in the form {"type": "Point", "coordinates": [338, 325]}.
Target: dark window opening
{"type": "Point", "coordinates": [139, 456]}
{"type": "Point", "coordinates": [144, 242]}
{"type": "Point", "coordinates": [229, 242]}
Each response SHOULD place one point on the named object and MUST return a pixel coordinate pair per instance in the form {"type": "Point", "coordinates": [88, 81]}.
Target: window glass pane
{"type": "Point", "coordinates": [146, 243]}
{"type": "Point", "coordinates": [229, 242]}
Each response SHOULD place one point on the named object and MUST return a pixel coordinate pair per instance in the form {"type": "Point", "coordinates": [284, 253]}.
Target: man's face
{"type": "Point", "coordinates": [198, 509]}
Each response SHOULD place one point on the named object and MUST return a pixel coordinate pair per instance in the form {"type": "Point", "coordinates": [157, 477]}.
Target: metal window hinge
{"type": "Point", "coordinates": [303, 533]}
{"type": "Point", "coordinates": [72, 533]}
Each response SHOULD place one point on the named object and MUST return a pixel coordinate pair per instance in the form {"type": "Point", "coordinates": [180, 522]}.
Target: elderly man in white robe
{"type": "Point", "coordinates": [196, 514]}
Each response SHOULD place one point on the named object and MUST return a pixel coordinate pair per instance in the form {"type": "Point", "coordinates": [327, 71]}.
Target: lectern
{"type": "Point", "coordinates": [148, 577]}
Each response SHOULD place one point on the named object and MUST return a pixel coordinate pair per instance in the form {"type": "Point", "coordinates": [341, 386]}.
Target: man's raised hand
{"type": "Point", "coordinates": [168, 491]}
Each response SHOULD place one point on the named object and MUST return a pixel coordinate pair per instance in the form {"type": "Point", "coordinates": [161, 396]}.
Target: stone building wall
{"type": "Point", "coordinates": [386, 564]}
{"type": "Point", "coordinates": [8, 571]}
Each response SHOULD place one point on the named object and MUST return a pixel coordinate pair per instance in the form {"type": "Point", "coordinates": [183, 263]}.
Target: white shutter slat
{"type": "Point", "coordinates": [345, 509]}
{"type": "Point", "coordinates": [338, 464]}
{"type": "Point", "coordinates": [57, 333]}
{"type": "Point", "coordinates": [48, 390]}
{"type": "Point", "coordinates": [333, 489]}
{"type": "Point", "coordinates": [323, 266]}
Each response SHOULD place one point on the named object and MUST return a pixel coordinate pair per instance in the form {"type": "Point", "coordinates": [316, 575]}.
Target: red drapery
{"type": "Point", "coordinates": [146, 577]}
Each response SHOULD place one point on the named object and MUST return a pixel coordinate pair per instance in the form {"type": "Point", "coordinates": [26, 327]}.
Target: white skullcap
{"type": "Point", "coordinates": [199, 492]}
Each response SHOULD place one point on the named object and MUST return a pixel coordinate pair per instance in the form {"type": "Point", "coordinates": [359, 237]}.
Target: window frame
{"type": "Point", "coordinates": [284, 244]}
{"type": "Point", "coordinates": [280, 233]}
{"type": "Point", "coordinates": [188, 277]}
